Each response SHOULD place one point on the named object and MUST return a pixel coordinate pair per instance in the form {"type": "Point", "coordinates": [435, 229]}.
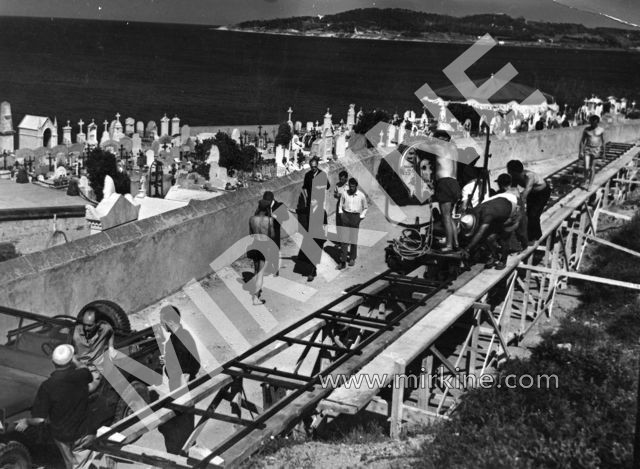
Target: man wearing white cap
{"type": "Point", "coordinates": [63, 402]}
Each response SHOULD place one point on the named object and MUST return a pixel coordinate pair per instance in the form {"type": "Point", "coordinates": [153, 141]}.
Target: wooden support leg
{"type": "Point", "coordinates": [424, 389]}
{"type": "Point", "coordinates": [397, 400]}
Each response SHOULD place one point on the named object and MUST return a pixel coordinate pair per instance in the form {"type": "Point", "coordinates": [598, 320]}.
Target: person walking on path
{"type": "Point", "coordinates": [263, 249]}
{"type": "Point", "coordinates": [316, 182]}
{"type": "Point", "coordinates": [182, 363]}
{"type": "Point", "coordinates": [535, 195]}
{"type": "Point", "coordinates": [352, 210]}
{"type": "Point", "coordinates": [314, 238]}
{"type": "Point", "coordinates": [280, 215]}
{"type": "Point", "coordinates": [341, 187]}
{"type": "Point", "coordinates": [591, 147]}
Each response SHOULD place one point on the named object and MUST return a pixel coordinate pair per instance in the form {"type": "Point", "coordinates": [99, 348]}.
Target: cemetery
{"type": "Point", "coordinates": [166, 166]}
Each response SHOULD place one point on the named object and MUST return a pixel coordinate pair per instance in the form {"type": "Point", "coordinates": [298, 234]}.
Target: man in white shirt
{"type": "Point", "coordinates": [471, 194]}
{"type": "Point", "coordinates": [352, 209]}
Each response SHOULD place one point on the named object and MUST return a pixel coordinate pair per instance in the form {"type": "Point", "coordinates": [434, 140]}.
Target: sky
{"type": "Point", "coordinates": [224, 12]}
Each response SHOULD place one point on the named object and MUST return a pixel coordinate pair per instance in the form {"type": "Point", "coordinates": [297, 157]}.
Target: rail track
{"type": "Point", "coordinates": [388, 324]}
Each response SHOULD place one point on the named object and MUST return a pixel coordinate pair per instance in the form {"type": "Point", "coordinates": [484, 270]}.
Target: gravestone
{"type": "Point", "coordinates": [129, 126]}
{"type": "Point", "coordinates": [151, 131]}
{"type": "Point", "coordinates": [214, 155]}
{"type": "Point", "coordinates": [150, 155]}
{"type": "Point", "coordinates": [351, 116]}
{"type": "Point", "coordinates": [92, 137]}
{"type": "Point", "coordinates": [280, 157]}
{"type": "Point", "coordinates": [136, 144]}
{"type": "Point", "coordinates": [155, 146]}
{"type": "Point", "coordinates": [127, 144]}
{"type": "Point", "coordinates": [140, 128]}
{"type": "Point", "coordinates": [391, 135]}
{"type": "Point", "coordinates": [401, 131]}
{"type": "Point", "coordinates": [309, 126]}
{"type": "Point", "coordinates": [235, 135]}
{"type": "Point", "coordinates": [185, 133]}
{"type": "Point", "coordinates": [175, 154]}
{"type": "Point", "coordinates": [341, 145]}
{"type": "Point", "coordinates": [60, 172]}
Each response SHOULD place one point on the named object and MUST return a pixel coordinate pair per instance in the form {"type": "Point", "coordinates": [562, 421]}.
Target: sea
{"type": "Point", "coordinates": [79, 69]}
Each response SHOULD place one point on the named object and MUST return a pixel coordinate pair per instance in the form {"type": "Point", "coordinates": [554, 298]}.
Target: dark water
{"type": "Point", "coordinates": [82, 69]}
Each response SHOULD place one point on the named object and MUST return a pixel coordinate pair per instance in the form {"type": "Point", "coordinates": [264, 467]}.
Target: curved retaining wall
{"type": "Point", "coordinates": [139, 263]}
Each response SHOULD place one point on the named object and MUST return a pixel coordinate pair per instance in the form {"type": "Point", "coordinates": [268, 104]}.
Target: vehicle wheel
{"type": "Point", "coordinates": [14, 455]}
{"type": "Point", "coordinates": [112, 313]}
{"type": "Point", "coordinates": [130, 403]}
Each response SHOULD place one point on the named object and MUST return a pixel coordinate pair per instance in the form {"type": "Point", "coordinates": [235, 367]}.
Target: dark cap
{"type": "Point", "coordinates": [268, 195]}
{"type": "Point", "coordinates": [504, 180]}
{"type": "Point", "coordinates": [264, 205]}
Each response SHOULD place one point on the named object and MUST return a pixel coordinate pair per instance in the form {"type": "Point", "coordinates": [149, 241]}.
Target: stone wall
{"type": "Point", "coordinates": [35, 235]}
{"type": "Point", "coordinates": [139, 263]}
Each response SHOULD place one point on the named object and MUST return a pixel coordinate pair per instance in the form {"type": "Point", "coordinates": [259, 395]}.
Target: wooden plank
{"type": "Point", "coordinates": [621, 216]}
{"type": "Point", "coordinates": [410, 415]}
{"type": "Point", "coordinates": [152, 457]}
{"type": "Point", "coordinates": [588, 278]}
{"type": "Point", "coordinates": [397, 402]}
{"type": "Point", "coordinates": [605, 242]}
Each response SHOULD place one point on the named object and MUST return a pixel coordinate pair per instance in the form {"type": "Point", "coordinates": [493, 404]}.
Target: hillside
{"type": "Point", "coordinates": [402, 24]}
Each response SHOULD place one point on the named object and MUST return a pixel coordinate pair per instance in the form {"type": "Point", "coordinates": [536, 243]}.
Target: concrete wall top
{"type": "Point", "coordinates": [139, 263]}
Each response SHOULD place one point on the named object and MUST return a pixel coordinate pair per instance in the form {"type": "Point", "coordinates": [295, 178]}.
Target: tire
{"type": "Point", "coordinates": [14, 455]}
{"type": "Point", "coordinates": [112, 313]}
{"type": "Point", "coordinates": [129, 403]}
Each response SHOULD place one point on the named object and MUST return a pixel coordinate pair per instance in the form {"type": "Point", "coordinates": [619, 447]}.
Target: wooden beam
{"type": "Point", "coordinates": [588, 278]}
{"type": "Point", "coordinates": [397, 401]}
{"type": "Point", "coordinates": [621, 216]}
{"type": "Point", "coordinates": [604, 242]}
{"type": "Point", "coordinates": [627, 181]}
{"type": "Point", "coordinates": [410, 415]}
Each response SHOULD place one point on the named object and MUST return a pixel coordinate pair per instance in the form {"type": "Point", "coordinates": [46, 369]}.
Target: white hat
{"type": "Point", "coordinates": [62, 354]}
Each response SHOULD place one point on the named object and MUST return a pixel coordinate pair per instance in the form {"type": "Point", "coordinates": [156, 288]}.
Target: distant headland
{"type": "Point", "coordinates": [408, 25]}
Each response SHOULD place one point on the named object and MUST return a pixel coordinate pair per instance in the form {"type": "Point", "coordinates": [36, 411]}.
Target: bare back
{"type": "Point", "coordinates": [261, 225]}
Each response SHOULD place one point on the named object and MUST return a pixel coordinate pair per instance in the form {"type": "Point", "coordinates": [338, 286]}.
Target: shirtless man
{"type": "Point", "coordinates": [591, 147]}
{"type": "Point", "coordinates": [535, 195]}
{"type": "Point", "coordinates": [447, 191]}
{"type": "Point", "coordinates": [263, 247]}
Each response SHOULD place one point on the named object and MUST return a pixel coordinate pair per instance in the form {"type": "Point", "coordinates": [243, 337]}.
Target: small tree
{"type": "Point", "coordinates": [249, 158]}
{"type": "Point", "coordinates": [369, 119]}
{"type": "Point", "coordinates": [284, 135]}
{"type": "Point", "coordinates": [229, 151]}
{"type": "Point", "coordinates": [100, 163]}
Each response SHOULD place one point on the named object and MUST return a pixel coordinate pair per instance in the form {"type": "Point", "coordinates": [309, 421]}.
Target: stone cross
{"type": "Point", "coordinates": [106, 124]}
{"type": "Point", "coordinates": [290, 111]}
{"type": "Point", "coordinates": [80, 123]}
{"type": "Point", "coordinates": [118, 116]}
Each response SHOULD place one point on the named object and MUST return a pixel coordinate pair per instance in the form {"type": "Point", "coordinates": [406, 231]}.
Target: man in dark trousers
{"type": "Point", "coordinates": [352, 210]}
{"type": "Point", "coordinates": [535, 195]}
{"type": "Point", "coordinates": [182, 364]}
{"type": "Point", "coordinates": [280, 215]}
{"type": "Point", "coordinates": [496, 218]}
{"type": "Point", "coordinates": [315, 183]}
{"type": "Point", "coordinates": [314, 239]}
{"type": "Point", "coordinates": [63, 401]}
